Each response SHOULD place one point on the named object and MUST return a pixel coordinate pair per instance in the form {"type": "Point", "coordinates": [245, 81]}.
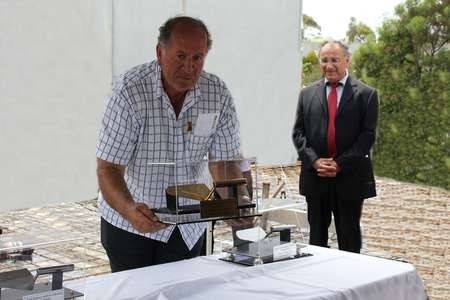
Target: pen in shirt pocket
{"type": "Point", "coordinates": [189, 126]}
{"type": "Point", "coordinates": [213, 124]}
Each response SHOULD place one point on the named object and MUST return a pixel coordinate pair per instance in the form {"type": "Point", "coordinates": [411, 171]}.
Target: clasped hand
{"type": "Point", "coordinates": [326, 167]}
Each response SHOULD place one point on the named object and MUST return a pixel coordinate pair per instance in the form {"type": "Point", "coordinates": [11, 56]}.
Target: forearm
{"type": "Point", "coordinates": [305, 153]}
{"type": "Point", "coordinates": [298, 133]}
{"type": "Point", "coordinates": [113, 186]}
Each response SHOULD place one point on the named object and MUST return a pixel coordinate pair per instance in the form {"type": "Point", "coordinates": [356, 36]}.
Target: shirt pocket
{"type": "Point", "coordinates": [198, 147]}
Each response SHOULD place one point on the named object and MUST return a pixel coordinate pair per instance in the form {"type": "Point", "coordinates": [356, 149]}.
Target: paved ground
{"type": "Point", "coordinates": [412, 223]}
{"type": "Point", "coordinates": [405, 222]}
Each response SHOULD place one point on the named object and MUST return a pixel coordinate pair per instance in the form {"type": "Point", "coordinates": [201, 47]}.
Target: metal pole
{"type": "Point", "coordinates": [183, 7]}
{"type": "Point", "coordinates": [209, 238]}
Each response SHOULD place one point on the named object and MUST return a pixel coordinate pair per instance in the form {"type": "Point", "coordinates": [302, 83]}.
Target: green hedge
{"type": "Point", "coordinates": [409, 64]}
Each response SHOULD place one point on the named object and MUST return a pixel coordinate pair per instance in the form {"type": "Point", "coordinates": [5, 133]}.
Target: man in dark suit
{"type": "Point", "coordinates": [334, 130]}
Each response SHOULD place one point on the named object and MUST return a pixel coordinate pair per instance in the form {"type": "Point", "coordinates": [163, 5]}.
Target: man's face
{"type": "Point", "coordinates": [333, 62]}
{"type": "Point", "coordinates": [182, 59]}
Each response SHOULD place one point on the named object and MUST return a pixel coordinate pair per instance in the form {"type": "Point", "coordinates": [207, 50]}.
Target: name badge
{"type": "Point", "coordinates": [284, 251]}
{"type": "Point", "coordinates": [206, 124]}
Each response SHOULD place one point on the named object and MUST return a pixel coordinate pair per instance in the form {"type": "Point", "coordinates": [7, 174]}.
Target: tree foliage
{"type": "Point", "coordinates": [311, 71]}
{"type": "Point", "coordinates": [359, 32]}
{"type": "Point", "coordinates": [409, 65]}
{"type": "Point", "coordinates": [308, 21]}
{"type": "Point", "coordinates": [310, 27]}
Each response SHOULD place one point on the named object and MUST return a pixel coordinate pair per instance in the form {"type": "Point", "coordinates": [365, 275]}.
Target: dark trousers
{"type": "Point", "coordinates": [127, 250]}
{"type": "Point", "coordinates": [347, 215]}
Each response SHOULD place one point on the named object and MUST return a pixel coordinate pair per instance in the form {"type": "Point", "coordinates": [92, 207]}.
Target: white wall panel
{"type": "Point", "coordinates": [55, 72]}
{"type": "Point", "coordinates": [135, 26]}
{"type": "Point", "coordinates": [255, 50]}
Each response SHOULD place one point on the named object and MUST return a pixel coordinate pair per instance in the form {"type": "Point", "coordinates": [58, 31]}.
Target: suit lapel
{"type": "Point", "coordinates": [347, 94]}
{"type": "Point", "coordinates": [319, 95]}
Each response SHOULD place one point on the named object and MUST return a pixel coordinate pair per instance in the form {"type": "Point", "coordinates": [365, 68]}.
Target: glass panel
{"type": "Point", "coordinates": [31, 263]}
{"type": "Point", "coordinates": [205, 190]}
{"type": "Point", "coordinates": [268, 239]}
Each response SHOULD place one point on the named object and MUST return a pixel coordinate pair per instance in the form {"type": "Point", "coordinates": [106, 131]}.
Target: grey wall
{"type": "Point", "coordinates": [58, 57]}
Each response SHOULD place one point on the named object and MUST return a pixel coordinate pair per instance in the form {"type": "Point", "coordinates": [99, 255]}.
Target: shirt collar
{"type": "Point", "coordinates": [159, 90]}
{"type": "Point", "coordinates": [192, 96]}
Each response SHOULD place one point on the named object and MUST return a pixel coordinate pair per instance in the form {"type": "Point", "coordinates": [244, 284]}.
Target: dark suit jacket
{"type": "Point", "coordinates": [355, 126]}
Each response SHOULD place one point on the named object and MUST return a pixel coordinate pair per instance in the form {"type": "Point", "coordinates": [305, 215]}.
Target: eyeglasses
{"type": "Point", "coordinates": [333, 60]}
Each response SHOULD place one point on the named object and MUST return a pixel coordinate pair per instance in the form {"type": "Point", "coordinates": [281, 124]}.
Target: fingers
{"type": "Point", "coordinates": [326, 167]}
{"type": "Point", "coordinates": [144, 220]}
{"type": "Point", "coordinates": [233, 222]}
{"type": "Point", "coordinates": [146, 211]}
{"type": "Point", "coordinates": [327, 171]}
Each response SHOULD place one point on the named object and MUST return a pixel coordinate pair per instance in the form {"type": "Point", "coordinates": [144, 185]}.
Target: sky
{"type": "Point", "coordinates": [334, 16]}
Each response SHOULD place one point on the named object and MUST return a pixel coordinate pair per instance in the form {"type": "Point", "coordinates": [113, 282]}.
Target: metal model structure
{"type": "Point", "coordinates": [17, 282]}
{"type": "Point", "coordinates": [204, 191]}
{"type": "Point", "coordinates": [266, 249]}
{"type": "Point", "coordinates": [211, 204]}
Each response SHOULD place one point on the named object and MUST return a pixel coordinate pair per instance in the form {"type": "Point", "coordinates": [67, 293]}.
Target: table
{"type": "Point", "coordinates": [328, 274]}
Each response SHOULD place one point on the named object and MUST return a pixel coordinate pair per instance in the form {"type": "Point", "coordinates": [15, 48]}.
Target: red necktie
{"type": "Point", "coordinates": [331, 132]}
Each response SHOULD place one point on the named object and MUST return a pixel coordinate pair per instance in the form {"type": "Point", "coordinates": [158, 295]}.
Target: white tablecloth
{"type": "Point", "coordinates": [328, 274]}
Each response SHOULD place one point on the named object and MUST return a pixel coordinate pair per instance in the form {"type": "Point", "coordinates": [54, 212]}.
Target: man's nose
{"type": "Point", "coordinates": [330, 66]}
{"type": "Point", "coordinates": [188, 65]}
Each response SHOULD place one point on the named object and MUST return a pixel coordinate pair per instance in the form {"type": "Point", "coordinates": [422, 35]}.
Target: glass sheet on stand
{"type": "Point", "coordinates": [32, 264]}
{"type": "Point", "coordinates": [201, 191]}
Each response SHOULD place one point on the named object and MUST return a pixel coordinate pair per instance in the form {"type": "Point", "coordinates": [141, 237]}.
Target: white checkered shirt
{"type": "Point", "coordinates": [140, 127]}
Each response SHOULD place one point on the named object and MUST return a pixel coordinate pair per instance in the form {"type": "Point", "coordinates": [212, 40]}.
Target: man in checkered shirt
{"type": "Point", "coordinates": [151, 117]}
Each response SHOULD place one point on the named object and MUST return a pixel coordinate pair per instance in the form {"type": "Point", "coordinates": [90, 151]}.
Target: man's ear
{"type": "Point", "coordinates": [158, 52]}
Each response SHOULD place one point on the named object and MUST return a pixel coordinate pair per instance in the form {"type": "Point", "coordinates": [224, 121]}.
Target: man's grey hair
{"type": "Point", "coordinates": [166, 29]}
{"type": "Point", "coordinates": [343, 46]}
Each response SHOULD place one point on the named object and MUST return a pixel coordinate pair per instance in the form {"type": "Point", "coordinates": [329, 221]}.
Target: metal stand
{"type": "Point", "coordinates": [57, 274]}
{"type": "Point", "coordinates": [209, 238]}
{"type": "Point", "coordinates": [20, 283]}
{"type": "Point", "coordinates": [261, 252]}
{"type": "Point", "coordinates": [284, 230]}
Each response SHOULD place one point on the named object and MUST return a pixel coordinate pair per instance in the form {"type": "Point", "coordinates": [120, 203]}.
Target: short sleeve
{"type": "Point", "coordinates": [119, 130]}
